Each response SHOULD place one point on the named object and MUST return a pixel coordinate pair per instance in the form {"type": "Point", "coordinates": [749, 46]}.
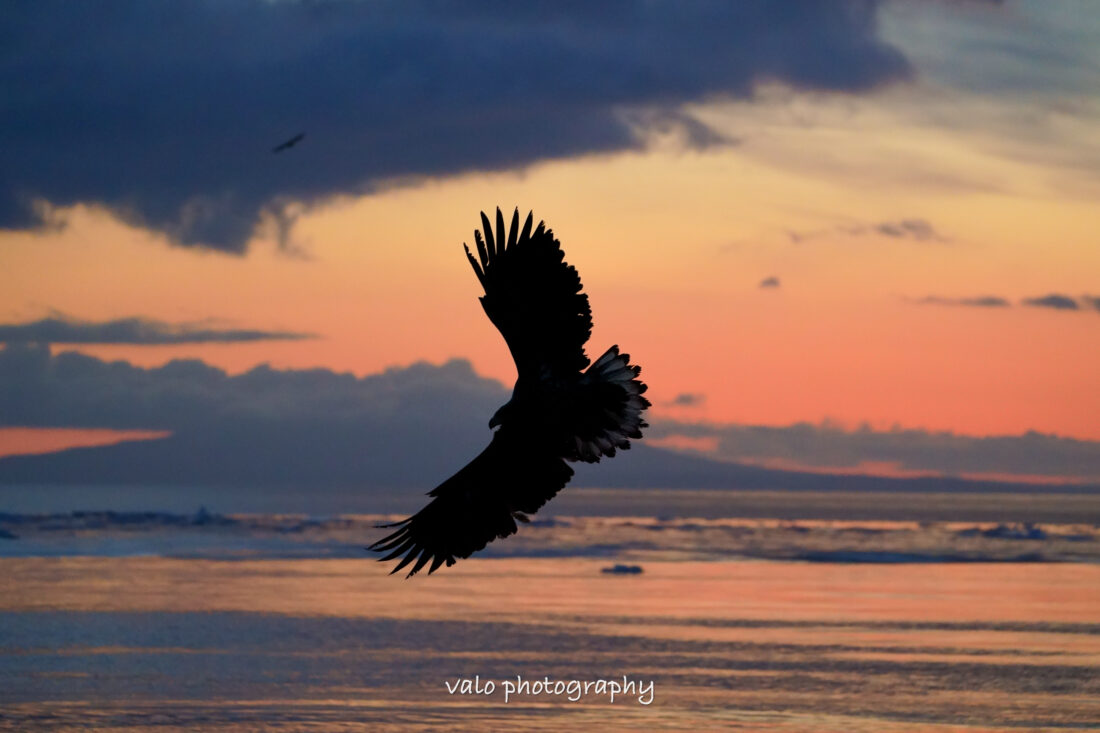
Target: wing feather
{"type": "Point", "coordinates": [513, 231]}
{"type": "Point", "coordinates": [533, 296]}
{"type": "Point", "coordinates": [526, 234]}
{"type": "Point", "coordinates": [477, 505]}
{"type": "Point", "coordinates": [489, 241]}
{"type": "Point", "coordinates": [501, 235]}
{"type": "Point", "coordinates": [477, 268]}
{"type": "Point", "coordinates": [482, 250]}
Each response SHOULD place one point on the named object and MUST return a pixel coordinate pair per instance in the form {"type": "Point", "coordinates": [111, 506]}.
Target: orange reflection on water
{"type": "Point", "coordinates": [789, 646]}
{"type": "Point", "coordinates": [525, 587]}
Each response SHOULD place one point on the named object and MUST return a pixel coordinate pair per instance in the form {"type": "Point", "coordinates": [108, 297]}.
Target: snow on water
{"type": "Point", "coordinates": [205, 534]}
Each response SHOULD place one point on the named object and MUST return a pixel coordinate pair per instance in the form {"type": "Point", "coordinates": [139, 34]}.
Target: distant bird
{"type": "Point", "coordinates": [561, 408]}
{"type": "Point", "coordinates": [289, 143]}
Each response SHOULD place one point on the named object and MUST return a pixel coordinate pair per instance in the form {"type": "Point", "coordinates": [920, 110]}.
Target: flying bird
{"type": "Point", "coordinates": [289, 143]}
{"type": "Point", "coordinates": [563, 407]}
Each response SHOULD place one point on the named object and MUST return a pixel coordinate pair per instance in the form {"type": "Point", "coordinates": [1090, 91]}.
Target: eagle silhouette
{"type": "Point", "coordinates": [562, 408]}
{"type": "Point", "coordinates": [289, 143]}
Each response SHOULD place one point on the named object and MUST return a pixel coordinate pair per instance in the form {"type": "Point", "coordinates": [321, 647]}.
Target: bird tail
{"type": "Point", "coordinates": [612, 406]}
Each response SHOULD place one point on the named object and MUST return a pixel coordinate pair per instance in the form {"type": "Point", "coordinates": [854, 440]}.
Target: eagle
{"type": "Point", "coordinates": [289, 143]}
{"type": "Point", "coordinates": [563, 408]}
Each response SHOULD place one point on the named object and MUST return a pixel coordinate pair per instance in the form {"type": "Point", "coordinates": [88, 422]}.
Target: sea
{"type": "Point", "coordinates": [613, 610]}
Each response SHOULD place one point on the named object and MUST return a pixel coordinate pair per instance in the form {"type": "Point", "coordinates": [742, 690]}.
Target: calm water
{"type": "Point", "coordinates": [178, 643]}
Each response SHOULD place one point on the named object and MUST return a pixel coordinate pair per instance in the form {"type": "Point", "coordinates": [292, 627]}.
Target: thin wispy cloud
{"type": "Point", "coordinates": [1015, 79]}
{"type": "Point", "coordinates": [171, 126]}
{"type": "Point", "coordinates": [914, 229]}
{"type": "Point", "coordinates": [135, 331]}
{"type": "Point", "coordinates": [1053, 301]}
{"type": "Point", "coordinates": [981, 301]}
{"type": "Point", "coordinates": [827, 445]}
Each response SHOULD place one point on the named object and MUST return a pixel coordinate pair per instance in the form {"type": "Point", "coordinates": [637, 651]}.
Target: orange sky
{"type": "Point", "coordinates": [672, 242]}
{"type": "Point", "coordinates": [671, 247]}
{"type": "Point", "coordinates": [30, 441]}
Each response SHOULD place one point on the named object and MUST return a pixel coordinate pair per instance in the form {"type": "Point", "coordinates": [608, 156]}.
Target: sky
{"type": "Point", "coordinates": [837, 236]}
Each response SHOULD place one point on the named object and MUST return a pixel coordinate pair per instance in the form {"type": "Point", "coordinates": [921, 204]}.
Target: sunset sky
{"type": "Point", "coordinates": [875, 223]}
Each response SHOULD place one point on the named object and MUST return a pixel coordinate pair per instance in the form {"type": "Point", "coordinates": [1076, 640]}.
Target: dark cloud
{"type": "Point", "coordinates": [981, 301]}
{"type": "Point", "coordinates": [411, 427]}
{"type": "Point", "coordinates": [166, 112]}
{"type": "Point", "coordinates": [65, 330]}
{"type": "Point", "coordinates": [1091, 301]}
{"type": "Point", "coordinates": [688, 399]}
{"type": "Point", "coordinates": [76, 390]}
{"type": "Point", "coordinates": [917, 450]}
{"type": "Point", "coordinates": [400, 427]}
{"type": "Point", "coordinates": [1054, 300]}
{"type": "Point", "coordinates": [770, 282]}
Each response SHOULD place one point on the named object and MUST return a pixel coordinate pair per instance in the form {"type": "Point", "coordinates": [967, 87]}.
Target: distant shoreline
{"type": "Point", "coordinates": [918, 506]}
{"type": "Point", "coordinates": [1055, 505]}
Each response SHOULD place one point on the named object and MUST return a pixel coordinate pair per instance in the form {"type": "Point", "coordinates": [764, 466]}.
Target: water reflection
{"type": "Point", "coordinates": [124, 643]}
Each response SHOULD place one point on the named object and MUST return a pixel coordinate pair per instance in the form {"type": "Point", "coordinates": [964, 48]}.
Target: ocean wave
{"type": "Point", "coordinates": [234, 536]}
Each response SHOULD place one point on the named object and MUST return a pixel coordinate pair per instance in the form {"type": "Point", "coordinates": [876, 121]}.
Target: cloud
{"type": "Point", "coordinates": [1016, 82]}
{"type": "Point", "coordinates": [1054, 300]}
{"type": "Point", "coordinates": [170, 125]}
{"type": "Point", "coordinates": [76, 390]}
{"type": "Point", "coordinates": [689, 132]}
{"type": "Point", "coordinates": [981, 301]}
{"type": "Point", "coordinates": [413, 426]}
{"type": "Point", "coordinates": [65, 330]}
{"type": "Point", "coordinates": [403, 426]}
{"type": "Point", "coordinates": [688, 399]}
{"type": "Point", "coordinates": [769, 282]}
{"type": "Point", "coordinates": [918, 229]}
{"type": "Point", "coordinates": [829, 446]}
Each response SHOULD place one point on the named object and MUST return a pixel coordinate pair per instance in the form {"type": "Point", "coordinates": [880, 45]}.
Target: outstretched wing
{"type": "Point", "coordinates": [477, 505]}
{"type": "Point", "coordinates": [532, 295]}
